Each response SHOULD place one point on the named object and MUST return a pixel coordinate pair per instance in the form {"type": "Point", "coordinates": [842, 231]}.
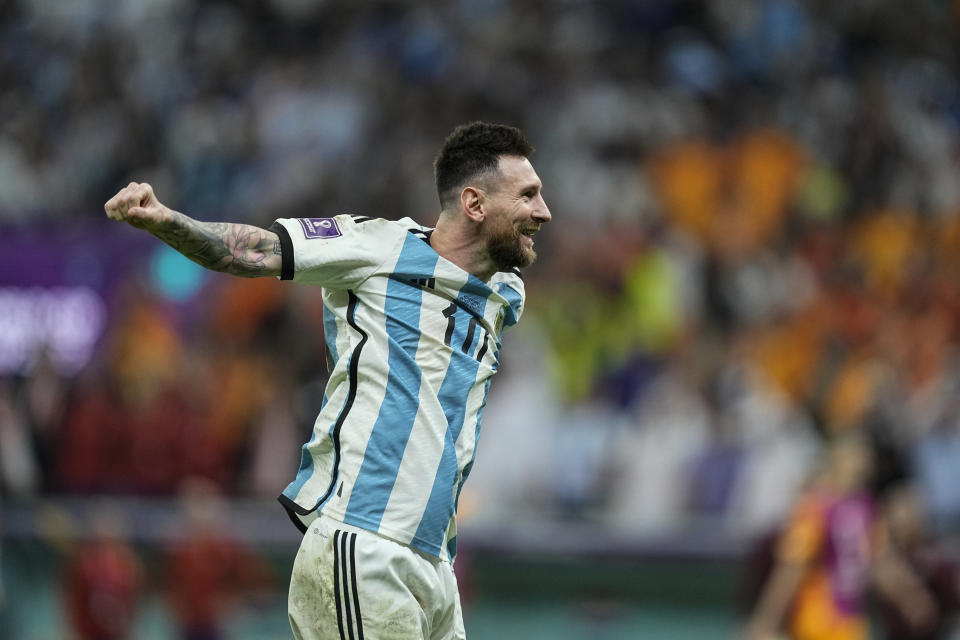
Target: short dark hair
{"type": "Point", "coordinates": [473, 149]}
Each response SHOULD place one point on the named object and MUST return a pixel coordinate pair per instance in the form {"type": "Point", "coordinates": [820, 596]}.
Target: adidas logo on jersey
{"type": "Point", "coordinates": [426, 283]}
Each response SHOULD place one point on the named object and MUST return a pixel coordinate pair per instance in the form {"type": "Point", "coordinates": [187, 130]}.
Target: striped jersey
{"type": "Point", "coordinates": [413, 341]}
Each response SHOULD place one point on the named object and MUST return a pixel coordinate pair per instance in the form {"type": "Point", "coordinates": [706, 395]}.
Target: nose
{"type": "Point", "coordinates": [541, 212]}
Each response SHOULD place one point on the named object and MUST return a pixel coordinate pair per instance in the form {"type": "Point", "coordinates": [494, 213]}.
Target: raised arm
{"type": "Point", "coordinates": [237, 249]}
{"type": "Point", "coordinates": [774, 602]}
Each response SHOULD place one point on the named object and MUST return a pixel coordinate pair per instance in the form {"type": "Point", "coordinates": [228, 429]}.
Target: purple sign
{"type": "Point", "coordinates": [95, 254]}
{"type": "Point", "coordinates": [56, 281]}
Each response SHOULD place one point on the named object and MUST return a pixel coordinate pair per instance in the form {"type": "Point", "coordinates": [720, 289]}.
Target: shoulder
{"type": "Point", "coordinates": [409, 225]}
{"type": "Point", "coordinates": [810, 505]}
{"type": "Point", "coordinates": [339, 226]}
{"type": "Point", "coordinates": [383, 226]}
{"type": "Point", "coordinates": [512, 275]}
{"type": "Point", "coordinates": [504, 280]}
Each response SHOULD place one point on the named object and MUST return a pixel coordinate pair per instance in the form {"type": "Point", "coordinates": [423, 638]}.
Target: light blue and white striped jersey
{"type": "Point", "coordinates": [413, 341]}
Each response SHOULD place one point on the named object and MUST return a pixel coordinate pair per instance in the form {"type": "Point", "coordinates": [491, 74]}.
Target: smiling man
{"type": "Point", "coordinates": [413, 318]}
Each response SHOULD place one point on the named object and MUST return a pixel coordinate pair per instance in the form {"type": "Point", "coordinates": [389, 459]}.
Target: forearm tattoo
{"type": "Point", "coordinates": [237, 249]}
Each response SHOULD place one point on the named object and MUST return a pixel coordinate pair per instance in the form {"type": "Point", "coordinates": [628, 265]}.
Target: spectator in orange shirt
{"type": "Point", "coordinates": [828, 556]}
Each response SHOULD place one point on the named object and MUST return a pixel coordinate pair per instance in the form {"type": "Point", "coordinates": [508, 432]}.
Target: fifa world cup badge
{"type": "Point", "coordinates": [319, 228]}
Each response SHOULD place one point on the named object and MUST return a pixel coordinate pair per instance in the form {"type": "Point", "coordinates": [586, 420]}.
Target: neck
{"type": "Point", "coordinates": [458, 240]}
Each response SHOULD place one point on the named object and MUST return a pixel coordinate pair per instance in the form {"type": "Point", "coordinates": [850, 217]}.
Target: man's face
{"type": "Point", "coordinates": [515, 211]}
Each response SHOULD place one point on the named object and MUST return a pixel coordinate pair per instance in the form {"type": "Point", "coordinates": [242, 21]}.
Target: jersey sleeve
{"type": "Point", "coordinates": [337, 253]}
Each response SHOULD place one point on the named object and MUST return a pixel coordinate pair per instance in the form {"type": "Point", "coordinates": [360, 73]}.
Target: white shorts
{"type": "Point", "coordinates": [352, 584]}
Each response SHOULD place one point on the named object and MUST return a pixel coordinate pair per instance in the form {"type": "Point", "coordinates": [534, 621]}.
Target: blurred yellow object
{"type": "Point", "coordinates": [651, 304]}
{"type": "Point", "coordinates": [886, 244]}
{"type": "Point", "coordinates": [733, 200]}
{"type": "Point", "coordinates": [789, 353]}
{"type": "Point", "coordinates": [146, 351]}
{"type": "Point", "coordinates": [851, 394]}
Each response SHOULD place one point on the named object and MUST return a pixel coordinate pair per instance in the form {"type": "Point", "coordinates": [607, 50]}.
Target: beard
{"type": "Point", "coordinates": [507, 250]}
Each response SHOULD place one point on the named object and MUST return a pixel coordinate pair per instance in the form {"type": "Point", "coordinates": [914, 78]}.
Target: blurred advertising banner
{"type": "Point", "coordinates": [56, 281]}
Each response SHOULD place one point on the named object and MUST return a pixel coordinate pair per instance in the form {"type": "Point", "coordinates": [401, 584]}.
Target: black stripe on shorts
{"type": "Point", "coordinates": [345, 585]}
{"type": "Point", "coordinates": [336, 581]}
{"type": "Point", "coordinates": [353, 579]}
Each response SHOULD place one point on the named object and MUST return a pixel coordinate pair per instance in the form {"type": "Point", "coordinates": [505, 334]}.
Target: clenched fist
{"type": "Point", "coordinates": [137, 205]}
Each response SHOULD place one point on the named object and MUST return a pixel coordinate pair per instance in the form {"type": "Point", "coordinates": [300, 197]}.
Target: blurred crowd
{"type": "Point", "coordinates": [755, 245]}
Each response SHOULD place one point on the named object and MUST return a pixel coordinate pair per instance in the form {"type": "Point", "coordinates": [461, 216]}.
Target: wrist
{"type": "Point", "coordinates": [166, 219]}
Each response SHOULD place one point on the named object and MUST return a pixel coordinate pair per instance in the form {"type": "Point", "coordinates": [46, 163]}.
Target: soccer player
{"type": "Point", "coordinates": [828, 556]}
{"type": "Point", "coordinates": [413, 318]}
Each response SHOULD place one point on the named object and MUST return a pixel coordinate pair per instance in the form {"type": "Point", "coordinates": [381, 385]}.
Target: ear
{"type": "Point", "coordinates": [471, 203]}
